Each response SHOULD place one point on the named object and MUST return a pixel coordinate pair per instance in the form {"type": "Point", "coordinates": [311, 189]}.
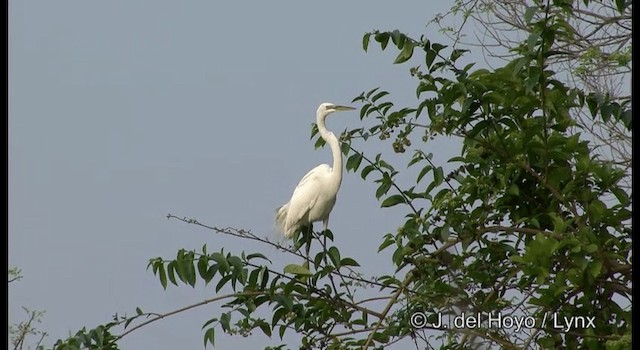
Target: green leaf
{"type": "Point", "coordinates": [139, 311]}
{"type": "Point", "coordinates": [529, 12]}
{"type": "Point", "coordinates": [397, 38]}
{"type": "Point", "coordinates": [345, 147]}
{"type": "Point", "coordinates": [393, 200]}
{"type": "Point", "coordinates": [385, 165]}
{"type": "Point", "coordinates": [190, 271]}
{"type": "Point", "coordinates": [405, 54]}
{"type": "Point", "coordinates": [558, 222]}
{"type": "Point", "coordinates": [606, 110]}
{"type": "Point", "coordinates": [348, 262]}
{"type": "Point", "coordinates": [225, 320]}
{"type": "Point", "coordinates": [328, 234]}
{"type": "Point", "coordinates": [457, 53]}
{"type": "Point", "coordinates": [211, 272]}
{"type": "Point", "coordinates": [209, 337]}
{"type": "Point", "coordinates": [389, 240]}
{"type": "Point", "coordinates": [353, 163]}
{"type": "Point", "coordinates": [595, 267]}
{"type": "Point", "coordinates": [236, 263]}
{"type": "Point", "coordinates": [297, 270]}
{"type": "Point", "coordinates": [593, 104]}
{"type": "Point", "coordinates": [265, 329]}
{"type": "Point", "coordinates": [381, 337]}
{"type": "Point", "coordinates": [423, 172]}
{"type": "Point", "coordinates": [98, 335]}
{"type": "Point", "coordinates": [416, 158]}
{"type": "Point", "coordinates": [363, 110]}
{"type": "Point", "coordinates": [163, 276]}
{"type": "Point", "coordinates": [591, 248]}
{"type": "Point", "coordinates": [371, 92]}
{"type": "Point", "coordinates": [334, 255]}
{"type": "Point", "coordinates": [517, 259]}
{"type": "Point", "coordinates": [429, 57]}
{"type": "Point", "coordinates": [318, 258]}
{"type": "Point", "coordinates": [203, 266]}
{"type": "Point", "coordinates": [468, 66]}
{"type": "Point", "coordinates": [223, 265]}
{"type": "Point", "coordinates": [365, 41]}
{"type": "Point", "coordinates": [264, 277]}
{"type": "Point", "coordinates": [533, 40]}
{"type": "Point", "coordinates": [384, 187]}
{"type": "Point", "coordinates": [222, 282]}
{"type": "Point", "coordinates": [437, 47]}
{"type": "Point", "coordinates": [596, 210]}
{"type": "Point", "coordinates": [278, 315]}
{"type": "Point", "coordinates": [383, 39]}
{"type": "Point", "coordinates": [379, 95]}
{"type": "Point", "coordinates": [314, 130]}
{"type": "Point", "coordinates": [257, 255]}
{"type": "Point", "coordinates": [626, 118]}
{"type": "Point", "coordinates": [171, 271]}
{"type": "Point", "coordinates": [438, 176]}
{"type": "Point", "coordinates": [622, 196]}
{"type": "Point", "coordinates": [252, 282]}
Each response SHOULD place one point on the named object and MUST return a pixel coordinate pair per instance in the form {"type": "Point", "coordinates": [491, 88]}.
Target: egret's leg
{"type": "Point", "coordinates": [308, 241]}
{"type": "Point", "coordinates": [325, 222]}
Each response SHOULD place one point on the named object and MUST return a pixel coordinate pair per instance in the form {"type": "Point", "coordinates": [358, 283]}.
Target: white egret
{"type": "Point", "coordinates": [315, 195]}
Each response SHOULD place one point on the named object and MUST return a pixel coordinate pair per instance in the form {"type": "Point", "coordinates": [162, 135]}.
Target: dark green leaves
{"type": "Point", "coordinates": [524, 182]}
{"type": "Point", "coordinates": [402, 42]}
{"type": "Point", "coordinates": [621, 5]}
{"type": "Point", "coordinates": [385, 184]}
{"type": "Point", "coordinates": [596, 210]}
{"type": "Point", "coordinates": [382, 38]}
{"type": "Point", "coordinates": [393, 200]}
{"type": "Point", "coordinates": [608, 108]}
{"type": "Point", "coordinates": [377, 96]}
{"type": "Point", "coordinates": [405, 54]}
{"type": "Point", "coordinates": [438, 176]}
{"type": "Point", "coordinates": [210, 337]}
{"type": "Point", "coordinates": [425, 170]}
{"type": "Point", "coordinates": [353, 162]}
{"type": "Point", "coordinates": [334, 255]}
{"type": "Point", "coordinates": [348, 262]}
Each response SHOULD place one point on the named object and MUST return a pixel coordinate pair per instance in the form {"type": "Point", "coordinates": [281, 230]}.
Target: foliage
{"type": "Point", "coordinates": [21, 332]}
{"type": "Point", "coordinates": [595, 56]}
{"type": "Point", "coordinates": [14, 274]}
{"type": "Point", "coordinates": [526, 222]}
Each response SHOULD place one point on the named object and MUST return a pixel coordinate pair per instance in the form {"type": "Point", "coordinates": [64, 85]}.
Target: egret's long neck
{"type": "Point", "coordinates": [332, 140]}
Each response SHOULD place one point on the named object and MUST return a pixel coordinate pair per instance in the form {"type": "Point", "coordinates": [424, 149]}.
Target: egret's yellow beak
{"type": "Point", "coordinates": [344, 108]}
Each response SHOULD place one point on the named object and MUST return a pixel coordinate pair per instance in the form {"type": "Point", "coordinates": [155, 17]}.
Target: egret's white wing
{"type": "Point", "coordinates": [281, 218]}
{"type": "Point", "coordinates": [305, 195]}
{"type": "Point", "coordinates": [312, 175]}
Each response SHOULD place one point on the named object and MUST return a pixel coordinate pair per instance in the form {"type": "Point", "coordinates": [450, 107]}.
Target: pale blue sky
{"type": "Point", "coordinates": [123, 111]}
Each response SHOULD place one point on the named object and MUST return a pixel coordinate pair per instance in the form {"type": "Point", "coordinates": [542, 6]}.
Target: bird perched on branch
{"type": "Point", "coordinates": [315, 195]}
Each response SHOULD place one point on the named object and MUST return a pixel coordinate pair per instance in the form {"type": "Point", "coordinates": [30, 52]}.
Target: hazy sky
{"type": "Point", "coordinates": [121, 112]}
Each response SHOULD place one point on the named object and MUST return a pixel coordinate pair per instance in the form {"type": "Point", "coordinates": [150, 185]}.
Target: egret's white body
{"type": "Point", "coordinates": [315, 195]}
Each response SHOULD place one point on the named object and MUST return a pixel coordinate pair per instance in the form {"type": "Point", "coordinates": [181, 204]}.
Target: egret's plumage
{"type": "Point", "coordinates": [315, 195]}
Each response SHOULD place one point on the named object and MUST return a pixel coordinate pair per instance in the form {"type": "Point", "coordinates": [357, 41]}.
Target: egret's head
{"type": "Point", "coordinates": [328, 108]}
